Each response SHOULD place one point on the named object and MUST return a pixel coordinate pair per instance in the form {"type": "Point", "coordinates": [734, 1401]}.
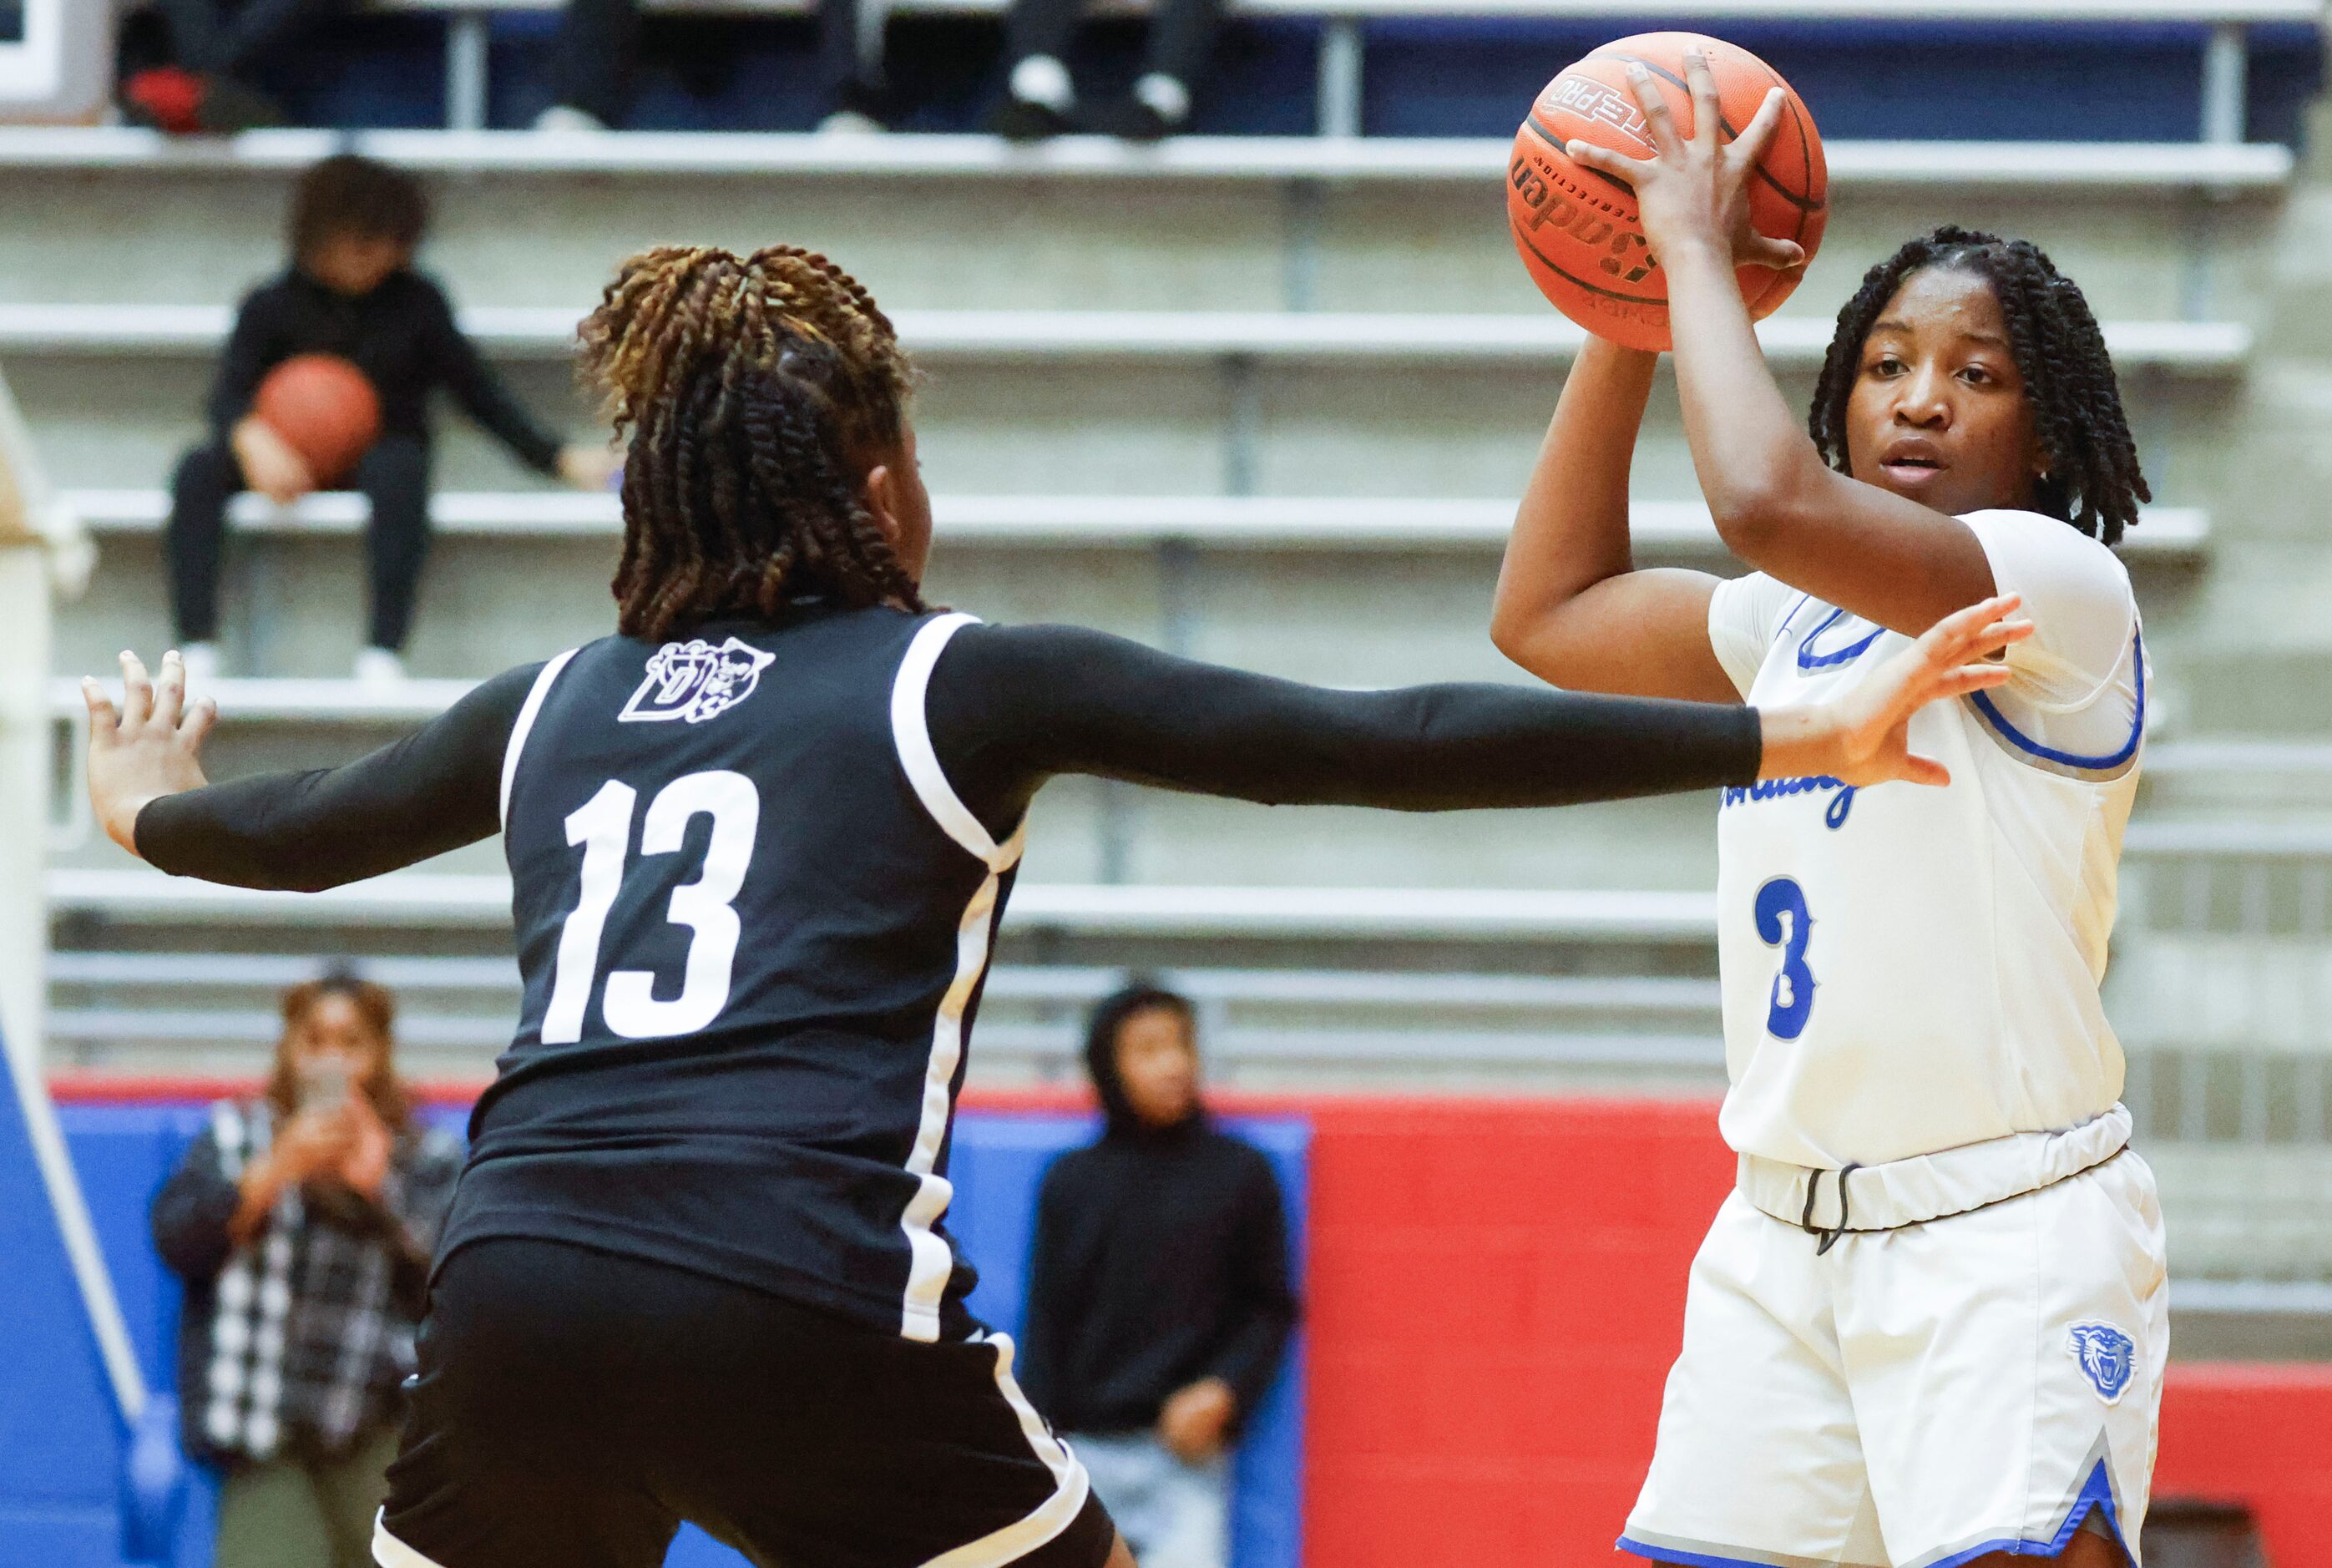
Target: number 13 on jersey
{"type": "Point", "coordinates": [602, 828]}
{"type": "Point", "coordinates": [1782, 921]}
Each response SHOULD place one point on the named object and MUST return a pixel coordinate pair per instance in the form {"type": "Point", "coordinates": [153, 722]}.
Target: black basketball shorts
{"type": "Point", "coordinates": [573, 1407]}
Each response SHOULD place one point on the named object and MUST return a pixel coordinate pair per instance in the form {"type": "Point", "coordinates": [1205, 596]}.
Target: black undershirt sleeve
{"type": "Point", "coordinates": [436, 789]}
{"type": "Point", "coordinates": [1011, 706]}
{"type": "Point", "coordinates": [482, 392]}
{"type": "Point", "coordinates": [252, 350]}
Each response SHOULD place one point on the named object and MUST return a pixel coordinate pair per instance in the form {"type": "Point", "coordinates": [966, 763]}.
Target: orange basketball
{"type": "Point", "coordinates": [1576, 228]}
{"type": "Point", "coordinates": [324, 409]}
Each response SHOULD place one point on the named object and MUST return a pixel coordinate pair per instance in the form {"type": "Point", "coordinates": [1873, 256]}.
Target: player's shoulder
{"type": "Point", "coordinates": [2022, 542]}
{"type": "Point", "coordinates": [1753, 606]}
{"type": "Point", "coordinates": [1038, 649]}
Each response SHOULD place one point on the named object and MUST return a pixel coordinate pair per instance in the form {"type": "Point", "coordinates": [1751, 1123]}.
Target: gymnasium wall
{"type": "Point", "coordinates": [1494, 1292]}
{"type": "Point", "coordinates": [1497, 1288]}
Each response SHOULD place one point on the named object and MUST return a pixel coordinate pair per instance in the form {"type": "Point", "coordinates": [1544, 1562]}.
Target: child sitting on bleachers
{"type": "Point", "coordinates": [350, 291]}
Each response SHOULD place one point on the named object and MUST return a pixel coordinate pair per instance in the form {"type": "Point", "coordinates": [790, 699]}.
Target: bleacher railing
{"type": "Point", "coordinates": [1342, 56]}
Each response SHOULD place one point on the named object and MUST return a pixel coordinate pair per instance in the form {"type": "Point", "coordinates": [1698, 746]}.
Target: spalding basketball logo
{"type": "Point", "coordinates": [2107, 1356]}
{"type": "Point", "coordinates": [695, 680]}
{"type": "Point", "coordinates": [1591, 99]}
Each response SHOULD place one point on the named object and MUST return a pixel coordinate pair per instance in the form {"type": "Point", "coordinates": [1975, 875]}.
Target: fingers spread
{"type": "Point", "coordinates": [200, 716]}
{"type": "Point", "coordinates": [1959, 634]}
{"type": "Point", "coordinates": [102, 718]}
{"type": "Point", "coordinates": [1617, 165]}
{"type": "Point", "coordinates": [1968, 678]}
{"type": "Point", "coordinates": [137, 690]}
{"type": "Point", "coordinates": [170, 691]}
{"type": "Point", "coordinates": [1705, 110]}
{"type": "Point", "coordinates": [1782, 255]}
{"type": "Point", "coordinates": [1999, 636]}
{"type": "Point", "coordinates": [1654, 105]}
{"type": "Point", "coordinates": [1758, 134]}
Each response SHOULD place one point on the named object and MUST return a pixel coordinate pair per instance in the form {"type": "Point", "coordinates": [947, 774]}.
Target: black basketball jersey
{"type": "Point", "coordinates": [752, 923]}
{"type": "Point", "coordinates": [754, 910]}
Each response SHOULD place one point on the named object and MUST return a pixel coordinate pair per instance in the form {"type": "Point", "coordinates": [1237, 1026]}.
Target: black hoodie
{"type": "Point", "coordinates": [1161, 1257]}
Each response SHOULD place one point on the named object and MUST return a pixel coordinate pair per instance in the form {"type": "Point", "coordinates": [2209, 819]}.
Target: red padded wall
{"type": "Point", "coordinates": [1496, 1290]}
{"type": "Point", "coordinates": [2259, 1435]}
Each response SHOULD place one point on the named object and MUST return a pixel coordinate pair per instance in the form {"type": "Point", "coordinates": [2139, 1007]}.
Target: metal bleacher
{"type": "Point", "coordinates": [1343, 48]}
{"type": "Point", "coordinates": [1372, 339]}
{"type": "Point", "coordinates": [1264, 399]}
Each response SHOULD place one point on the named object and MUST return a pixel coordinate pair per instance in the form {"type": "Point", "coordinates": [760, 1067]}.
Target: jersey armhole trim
{"type": "Point", "coordinates": [911, 733]}
{"type": "Point", "coordinates": [2096, 769]}
{"type": "Point", "coordinates": [526, 717]}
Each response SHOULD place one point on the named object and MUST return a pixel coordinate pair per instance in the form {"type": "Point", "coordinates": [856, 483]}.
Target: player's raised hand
{"type": "Point", "coordinates": [1863, 737]}
{"type": "Point", "coordinates": [149, 747]}
{"type": "Point", "coordinates": [1695, 189]}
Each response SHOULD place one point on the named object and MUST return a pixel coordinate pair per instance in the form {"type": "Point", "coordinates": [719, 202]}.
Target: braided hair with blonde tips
{"type": "Point", "coordinates": [757, 391]}
{"type": "Point", "coordinates": [2094, 481]}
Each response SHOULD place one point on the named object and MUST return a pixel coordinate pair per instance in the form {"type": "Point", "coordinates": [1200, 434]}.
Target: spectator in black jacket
{"type": "Point", "coordinates": [1160, 1303]}
{"type": "Point", "coordinates": [350, 291]}
{"type": "Point", "coordinates": [301, 1224]}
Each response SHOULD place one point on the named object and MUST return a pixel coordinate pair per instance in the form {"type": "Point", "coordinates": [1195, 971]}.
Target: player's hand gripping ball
{"type": "Point", "coordinates": [1577, 228]}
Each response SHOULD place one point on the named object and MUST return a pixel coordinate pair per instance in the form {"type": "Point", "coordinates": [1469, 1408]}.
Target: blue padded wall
{"type": "Point", "coordinates": [996, 1163]}
{"type": "Point", "coordinates": [59, 1432]}
{"type": "Point", "coordinates": [61, 1443]}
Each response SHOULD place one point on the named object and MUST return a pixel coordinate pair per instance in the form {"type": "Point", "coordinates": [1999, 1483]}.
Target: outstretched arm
{"type": "Point", "coordinates": [1777, 504]}
{"type": "Point", "coordinates": [435, 790]}
{"type": "Point", "coordinates": [1009, 707]}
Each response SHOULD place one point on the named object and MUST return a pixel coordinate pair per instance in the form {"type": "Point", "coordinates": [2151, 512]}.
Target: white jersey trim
{"type": "Point", "coordinates": [930, 1260]}
{"type": "Point", "coordinates": [1055, 1513]}
{"type": "Point", "coordinates": [389, 1551]}
{"type": "Point", "coordinates": [911, 731]}
{"type": "Point", "coordinates": [518, 731]}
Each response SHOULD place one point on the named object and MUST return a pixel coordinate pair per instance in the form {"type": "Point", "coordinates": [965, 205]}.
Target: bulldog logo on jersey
{"type": "Point", "coordinates": [695, 680]}
{"type": "Point", "coordinates": [2106, 1355]}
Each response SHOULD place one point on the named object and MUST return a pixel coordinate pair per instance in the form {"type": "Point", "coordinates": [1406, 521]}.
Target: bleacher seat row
{"type": "Point", "coordinates": [2086, 166]}
{"type": "Point", "coordinates": [2193, 348]}
{"type": "Point", "coordinates": [1226, 522]}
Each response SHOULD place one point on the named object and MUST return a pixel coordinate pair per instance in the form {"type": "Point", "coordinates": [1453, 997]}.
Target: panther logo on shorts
{"type": "Point", "coordinates": [695, 680]}
{"type": "Point", "coordinates": [2106, 1355]}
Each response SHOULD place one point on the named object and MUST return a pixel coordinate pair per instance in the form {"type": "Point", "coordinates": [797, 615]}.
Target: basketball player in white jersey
{"type": "Point", "coordinates": [1928, 1327]}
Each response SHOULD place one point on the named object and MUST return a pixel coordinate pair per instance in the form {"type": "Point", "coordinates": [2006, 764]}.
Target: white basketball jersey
{"type": "Point", "coordinates": [1908, 969]}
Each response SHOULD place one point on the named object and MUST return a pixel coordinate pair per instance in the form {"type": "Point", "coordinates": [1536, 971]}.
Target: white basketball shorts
{"type": "Point", "coordinates": [1916, 1398]}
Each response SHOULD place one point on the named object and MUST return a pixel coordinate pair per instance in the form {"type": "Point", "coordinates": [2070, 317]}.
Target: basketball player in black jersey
{"type": "Point", "coordinates": [759, 841]}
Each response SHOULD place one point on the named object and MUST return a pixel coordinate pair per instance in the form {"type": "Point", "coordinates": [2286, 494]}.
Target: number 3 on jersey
{"type": "Point", "coordinates": [1782, 921]}
{"type": "Point", "coordinates": [603, 827]}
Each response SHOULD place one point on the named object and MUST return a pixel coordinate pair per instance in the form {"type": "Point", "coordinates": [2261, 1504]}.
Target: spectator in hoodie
{"type": "Point", "coordinates": [1160, 1302]}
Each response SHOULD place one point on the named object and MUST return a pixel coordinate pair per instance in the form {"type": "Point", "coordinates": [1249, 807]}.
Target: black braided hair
{"type": "Point", "coordinates": [757, 391]}
{"type": "Point", "coordinates": [2094, 481]}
